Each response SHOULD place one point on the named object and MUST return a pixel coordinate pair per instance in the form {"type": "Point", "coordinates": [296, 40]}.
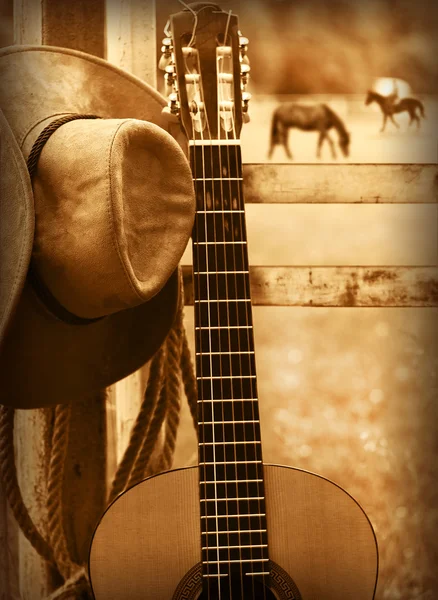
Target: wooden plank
{"type": "Point", "coordinates": [338, 286]}
{"type": "Point", "coordinates": [341, 183]}
{"type": "Point", "coordinates": [28, 22]}
{"type": "Point", "coordinates": [79, 25]}
{"type": "Point", "coordinates": [30, 439]}
{"type": "Point", "coordinates": [131, 43]}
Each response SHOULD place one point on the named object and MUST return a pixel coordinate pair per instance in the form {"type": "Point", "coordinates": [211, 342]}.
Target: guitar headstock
{"type": "Point", "coordinates": [206, 72]}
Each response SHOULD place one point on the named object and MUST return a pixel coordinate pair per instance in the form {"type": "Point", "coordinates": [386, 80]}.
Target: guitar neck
{"type": "Point", "coordinates": [223, 317]}
{"type": "Point", "coordinates": [230, 455]}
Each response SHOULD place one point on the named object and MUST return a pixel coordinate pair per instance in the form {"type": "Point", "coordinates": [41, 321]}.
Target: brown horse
{"type": "Point", "coordinates": [389, 107]}
{"type": "Point", "coordinates": [318, 117]}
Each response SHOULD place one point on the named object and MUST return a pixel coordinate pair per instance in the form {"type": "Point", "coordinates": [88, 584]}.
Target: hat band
{"type": "Point", "coordinates": [44, 294]}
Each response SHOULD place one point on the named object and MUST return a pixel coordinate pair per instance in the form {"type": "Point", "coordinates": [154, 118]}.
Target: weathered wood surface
{"type": "Point", "coordinates": [338, 286]}
{"type": "Point", "coordinates": [78, 25]}
{"type": "Point", "coordinates": [130, 32]}
{"type": "Point", "coordinates": [340, 183]}
{"type": "Point", "coordinates": [28, 22]}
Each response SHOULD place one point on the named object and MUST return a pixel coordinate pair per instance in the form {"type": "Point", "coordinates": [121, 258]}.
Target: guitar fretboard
{"type": "Point", "coordinates": [233, 519]}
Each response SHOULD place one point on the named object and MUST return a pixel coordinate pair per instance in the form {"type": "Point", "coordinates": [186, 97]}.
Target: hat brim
{"type": "Point", "coordinates": [44, 361]}
{"type": "Point", "coordinates": [17, 220]}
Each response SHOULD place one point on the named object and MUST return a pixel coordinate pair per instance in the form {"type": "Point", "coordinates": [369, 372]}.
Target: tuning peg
{"type": "Point", "coordinates": [164, 62]}
{"type": "Point", "coordinates": [246, 118]}
{"type": "Point", "coordinates": [173, 104]}
{"type": "Point", "coordinates": [243, 43]}
{"type": "Point", "coordinates": [171, 117]}
{"type": "Point", "coordinates": [166, 56]}
{"type": "Point", "coordinates": [246, 97]}
{"type": "Point", "coordinates": [244, 73]}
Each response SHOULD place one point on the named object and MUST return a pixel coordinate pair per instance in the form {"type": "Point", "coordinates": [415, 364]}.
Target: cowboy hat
{"type": "Point", "coordinates": [89, 247]}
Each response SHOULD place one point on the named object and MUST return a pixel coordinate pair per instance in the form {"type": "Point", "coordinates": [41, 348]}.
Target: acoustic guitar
{"type": "Point", "coordinates": [232, 527]}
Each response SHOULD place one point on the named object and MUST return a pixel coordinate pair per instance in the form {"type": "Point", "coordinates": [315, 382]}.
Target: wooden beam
{"type": "Point", "coordinates": [338, 286]}
{"type": "Point", "coordinates": [341, 183]}
{"type": "Point", "coordinates": [131, 43]}
{"type": "Point", "coordinates": [77, 24]}
{"type": "Point", "coordinates": [80, 25]}
{"type": "Point", "coordinates": [28, 22]}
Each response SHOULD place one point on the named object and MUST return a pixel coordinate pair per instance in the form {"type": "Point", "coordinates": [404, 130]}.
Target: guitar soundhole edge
{"type": "Point", "coordinates": [281, 586]}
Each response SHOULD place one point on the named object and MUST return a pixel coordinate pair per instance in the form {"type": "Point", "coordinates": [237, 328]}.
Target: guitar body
{"type": "Point", "coordinates": [321, 544]}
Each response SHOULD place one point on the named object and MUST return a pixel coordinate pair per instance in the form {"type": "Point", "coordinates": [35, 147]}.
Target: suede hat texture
{"type": "Point", "coordinates": [101, 226]}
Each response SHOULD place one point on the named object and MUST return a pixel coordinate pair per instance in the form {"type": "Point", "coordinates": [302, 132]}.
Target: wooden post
{"type": "Point", "coordinates": [79, 25]}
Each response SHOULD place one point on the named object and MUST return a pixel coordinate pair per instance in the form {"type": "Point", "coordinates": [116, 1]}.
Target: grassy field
{"type": "Point", "coordinates": [368, 144]}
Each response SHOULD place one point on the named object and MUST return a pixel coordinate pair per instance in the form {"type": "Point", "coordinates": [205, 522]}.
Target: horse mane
{"type": "Point", "coordinates": [338, 123]}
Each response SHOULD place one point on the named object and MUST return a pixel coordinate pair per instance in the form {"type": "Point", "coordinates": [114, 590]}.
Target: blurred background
{"type": "Point", "coordinates": [349, 393]}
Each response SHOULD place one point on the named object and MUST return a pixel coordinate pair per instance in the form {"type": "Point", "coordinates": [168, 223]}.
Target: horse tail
{"type": "Point", "coordinates": [421, 107]}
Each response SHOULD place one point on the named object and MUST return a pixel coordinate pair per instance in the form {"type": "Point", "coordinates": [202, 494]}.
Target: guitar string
{"type": "Point", "coordinates": [252, 380]}
{"type": "Point", "coordinates": [221, 216]}
{"type": "Point", "coordinates": [226, 267]}
{"type": "Point", "coordinates": [243, 394]}
{"type": "Point", "coordinates": [245, 263]}
{"type": "Point", "coordinates": [198, 93]}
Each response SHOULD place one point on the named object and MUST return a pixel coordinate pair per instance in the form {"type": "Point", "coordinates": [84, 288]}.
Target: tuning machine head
{"type": "Point", "coordinates": [244, 60]}
{"type": "Point", "coordinates": [166, 54]}
{"type": "Point", "coordinates": [172, 110]}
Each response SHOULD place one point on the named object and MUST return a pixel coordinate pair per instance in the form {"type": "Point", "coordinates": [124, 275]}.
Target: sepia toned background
{"type": "Point", "coordinates": [349, 393]}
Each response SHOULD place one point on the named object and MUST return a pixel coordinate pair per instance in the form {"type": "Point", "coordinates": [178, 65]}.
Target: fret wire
{"type": "Point", "coordinates": [228, 422]}
{"type": "Point", "coordinates": [225, 300]}
{"type": "Point", "coordinates": [221, 273]}
{"type": "Point", "coordinates": [227, 327]}
{"type": "Point", "coordinates": [214, 142]}
{"type": "Point", "coordinates": [230, 462]}
{"type": "Point", "coordinates": [216, 243]}
{"type": "Point", "coordinates": [238, 560]}
{"type": "Point", "coordinates": [231, 499]}
{"type": "Point", "coordinates": [240, 515]}
{"type": "Point", "coordinates": [258, 573]}
{"type": "Point", "coordinates": [225, 353]}
{"type": "Point", "coordinates": [234, 531]}
{"type": "Point", "coordinates": [228, 400]}
{"type": "Point", "coordinates": [227, 377]}
{"type": "Point", "coordinates": [233, 547]}
{"type": "Point", "coordinates": [228, 443]}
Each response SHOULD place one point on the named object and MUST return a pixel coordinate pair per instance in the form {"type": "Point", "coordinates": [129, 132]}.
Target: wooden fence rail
{"type": "Point", "coordinates": [338, 286]}
{"type": "Point", "coordinates": [341, 183]}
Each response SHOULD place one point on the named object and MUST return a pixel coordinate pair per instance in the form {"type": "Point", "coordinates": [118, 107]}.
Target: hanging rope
{"type": "Point", "coordinates": [58, 455]}
{"type": "Point", "coordinates": [75, 588]}
{"type": "Point", "coordinates": [8, 474]}
{"type": "Point", "coordinates": [189, 379]}
{"type": "Point", "coordinates": [141, 425]}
